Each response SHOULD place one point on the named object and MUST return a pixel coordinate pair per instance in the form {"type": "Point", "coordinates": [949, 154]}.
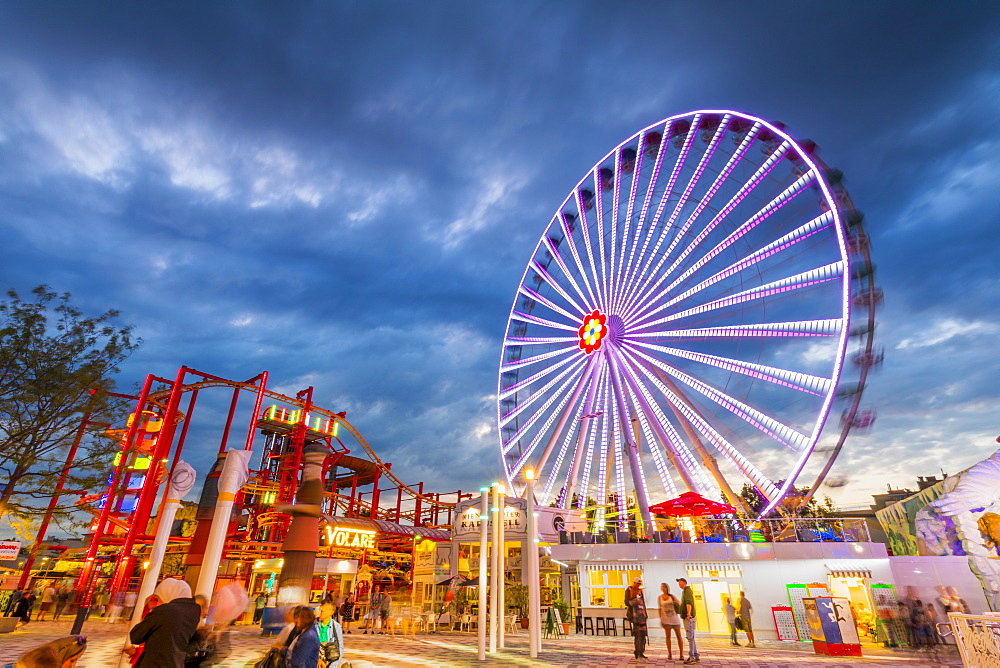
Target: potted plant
{"type": "Point", "coordinates": [562, 606]}
{"type": "Point", "coordinates": [517, 598]}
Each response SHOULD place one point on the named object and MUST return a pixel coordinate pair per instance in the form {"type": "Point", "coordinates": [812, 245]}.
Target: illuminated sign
{"type": "Point", "coordinates": [328, 426]}
{"type": "Point", "coordinates": [350, 537]}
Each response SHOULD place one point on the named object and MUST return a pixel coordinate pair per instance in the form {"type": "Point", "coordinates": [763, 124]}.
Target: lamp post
{"type": "Point", "coordinates": [534, 595]}
{"type": "Point", "coordinates": [494, 586]}
{"type": "Point", "coordinates": [484, 543]}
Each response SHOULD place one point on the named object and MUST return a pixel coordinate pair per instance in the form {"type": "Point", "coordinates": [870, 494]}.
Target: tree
{"type": "Point", "coordinates": [791, 505]}
{"type": "Point", "coordinates": [55, 371]}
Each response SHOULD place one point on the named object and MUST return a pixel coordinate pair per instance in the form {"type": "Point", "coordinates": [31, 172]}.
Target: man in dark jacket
{"type": "Point", "coordinates": [169, 627]}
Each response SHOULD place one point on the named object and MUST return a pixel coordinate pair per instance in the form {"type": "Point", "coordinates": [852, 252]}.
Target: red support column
{"type": "Point", "coordinates": [417, 506]}
{"type": "Point", "coordinates": [229, 421]}
{"type": "Point", "coordinates": [83, 582]}
{"type": "Point", "coordinates": [375, 494]}
{"type": "Point", "coordinates": [53, 502]}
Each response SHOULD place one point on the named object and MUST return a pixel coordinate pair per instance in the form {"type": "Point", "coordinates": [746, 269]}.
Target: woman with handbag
{"type": "Point", "coordinates": [670, 619]}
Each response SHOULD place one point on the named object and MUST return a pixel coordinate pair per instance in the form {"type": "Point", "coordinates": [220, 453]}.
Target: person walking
{"type": "Point", "coordinates": [636, 603]}
{"type": "Point", "coordinates": [14, 598]}
{"type": "Point", "coordinates": [48, 598]}
{"type": "Point", "coordinates": [331, 639]}
{"type": "Point", "coordinates": [688, 615]}
{"type": "Point", "coordinates": [62, 598]}
{"type": "Point", "coordinates": [670, 619]}
{"type": "Point", "coordinates": [731, 620]}
{"type": "Point", "coordinates": [22, 610]}
{"type": "Point", "coordinates": [258, 607]}
{"type": "Point", "coordinates": [169, 627]}
{"type": "Point", "coordinates": [303, 652]}
{"type": "Point", "coordinates": [746, 620]}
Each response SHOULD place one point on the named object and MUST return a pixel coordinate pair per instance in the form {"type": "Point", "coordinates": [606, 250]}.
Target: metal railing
{"type": "Point", "coordinates": [793, 530]}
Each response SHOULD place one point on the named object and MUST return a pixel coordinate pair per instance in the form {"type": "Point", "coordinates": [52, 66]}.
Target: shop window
{"type": "Point", "coordinates": [607, 588]}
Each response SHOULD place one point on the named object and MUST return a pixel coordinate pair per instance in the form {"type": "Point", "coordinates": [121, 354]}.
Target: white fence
{"type": "Point", "coordinates": [978, 639]}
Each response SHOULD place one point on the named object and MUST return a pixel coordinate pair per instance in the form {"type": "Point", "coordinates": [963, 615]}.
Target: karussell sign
{"type": "Point", "coordinates": [466, 527]}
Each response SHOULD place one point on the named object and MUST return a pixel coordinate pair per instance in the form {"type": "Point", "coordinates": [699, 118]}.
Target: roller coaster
{"type": "Point", "coordinates": [358, 484]}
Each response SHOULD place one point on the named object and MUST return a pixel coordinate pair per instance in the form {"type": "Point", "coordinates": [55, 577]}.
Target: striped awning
{"type": "Point", "coordinates": [720, 567]}
{"type": "Point", "coordinates": [855, 573]}
{"type": "Point", "coordinates": [386, 527]}
{"type": "Point", "coordinates": [612, 566]}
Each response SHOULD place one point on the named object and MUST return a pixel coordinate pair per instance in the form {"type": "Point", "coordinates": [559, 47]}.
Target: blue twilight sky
{"type": "Point", "coordinates": [346, 193]}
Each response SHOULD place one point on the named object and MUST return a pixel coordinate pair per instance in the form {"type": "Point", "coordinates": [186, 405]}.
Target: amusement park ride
{"type": "Point", "coordinates": [152, 442]}
{"type": "Point", "coordinates": [696, 308]}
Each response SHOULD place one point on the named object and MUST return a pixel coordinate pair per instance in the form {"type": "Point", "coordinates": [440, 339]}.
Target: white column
{"type": "Point", "coordinates": [234, 475]}
{"type": "Point", "coordinates": [534, 587]}
{"type": "Point", "coordinates": [501, 549]}
{"type": "Point", "coordinates": [484, 546]}
{"type": "Point", "coordinates": [181, 482]}
{"type": "Point", "coordinates": [497, 520]}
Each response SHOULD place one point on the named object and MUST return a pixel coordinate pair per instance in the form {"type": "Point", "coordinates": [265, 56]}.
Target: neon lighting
{"type": "Point", "coordinates": [592, 331]}
{"type": "Point", "coordinates": [351, 537]}
{"type": "Point", "coordinates": [292, 417]}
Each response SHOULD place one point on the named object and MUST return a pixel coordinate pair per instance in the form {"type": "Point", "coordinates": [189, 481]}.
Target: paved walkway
{"type": "Point", "coordinates": [460, 649]}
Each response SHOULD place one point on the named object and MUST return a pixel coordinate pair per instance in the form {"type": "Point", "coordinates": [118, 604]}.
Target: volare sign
{"type": "Point", "coordinates": [348, 537]}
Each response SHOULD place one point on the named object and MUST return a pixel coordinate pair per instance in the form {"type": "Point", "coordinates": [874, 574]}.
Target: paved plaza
{"type": "Point", "coordinates": [459, 649]}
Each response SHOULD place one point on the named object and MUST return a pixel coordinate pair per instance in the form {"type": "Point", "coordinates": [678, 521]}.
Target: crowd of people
{"type": "Point", "coordinates": [674, 613]}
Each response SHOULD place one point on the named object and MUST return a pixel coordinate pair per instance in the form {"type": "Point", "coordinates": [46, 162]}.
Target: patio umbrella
{"type": "Point", "coordinates": [690, 504]}
{"type": "Point", "coordinates": [455, 578]}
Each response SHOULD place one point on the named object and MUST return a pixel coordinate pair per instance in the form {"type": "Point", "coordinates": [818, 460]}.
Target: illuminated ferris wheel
{"type": "Point", "coordinates": [687, 321]}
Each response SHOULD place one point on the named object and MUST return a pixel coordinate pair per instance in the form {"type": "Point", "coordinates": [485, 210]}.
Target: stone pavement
{"type": "Point", "coordinates": [460, 649]}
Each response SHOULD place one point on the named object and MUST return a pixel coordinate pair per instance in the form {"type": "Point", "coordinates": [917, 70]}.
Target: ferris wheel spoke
{"type": "Point", "coordinates": [784, 243]}
{"type": "Point", "coordinates": [528, 361]}
{"type": "Point", "coordinates": [537, 394]}
{"type": "Point", "coordinates": [629, 446]}
{"type": "Point", "coordinates": [656, 449]}
{"type": "Point", "coordinates": [585, 231]}
{"type": "Point", "coordinates": [505, 392]}
{"type": "Point", "coordinates": [720, 179]}
{"type": "Point", "coordinates": [520, 341]}
{"type": "Point", "coordinates": [682, 457]}
{"type": "Point", "coordinates": [527, 317]}
{"type": "Point", "coordinates": [796, 328]}
{"type": "Point", "coordinates": [560, 412]}
{"type": "Point", "coordinates": [568, 235]}
{"type": "Point", "coordinates": [552, 475]}
{"type": "Point", "coordinates": [796, 380]}
{"type": "Point", "coordinates": [627, 220]}
{"type": "Point", "coordinates": [647, 200]}
{"type": "Point", "coordinates": [641, 296]}
{"type": "Point", "coordinates": [563, 394]}
{"type": "Point", "coordinates": [613, 240]}
{"type": "Point", "coordinates": [760, 421]}
{"type": "Point", "coordinates": [599, 232]}
{"type": "Point", "coordinates": [806, 279]}
{"type": "Point", "coordinates": [557, 256]}
{"type": "Point", "coordinates": [727, 449]}
{"type": "Point", "coordinates": [671, 183]}
{"type": "Point", "coordinates": [571, 399]}
{"type": "Point", "coordinates": [595, 429]}
{"type": "Point", "coordinates": [587, 416]}
{"type": "Point", "coordinates": [543, 275]}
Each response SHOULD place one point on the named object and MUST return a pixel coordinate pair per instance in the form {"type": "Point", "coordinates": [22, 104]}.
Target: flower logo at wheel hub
{"type": "Point", "coordinates": [593, 331]}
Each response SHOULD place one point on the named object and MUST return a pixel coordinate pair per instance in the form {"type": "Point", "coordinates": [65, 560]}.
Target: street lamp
{"type": "Point", "coordinates": [534, 595]}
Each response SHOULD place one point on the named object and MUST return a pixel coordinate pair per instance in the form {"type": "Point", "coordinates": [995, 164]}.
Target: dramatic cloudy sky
{"type": "Point", "coordinates": [346, 194]}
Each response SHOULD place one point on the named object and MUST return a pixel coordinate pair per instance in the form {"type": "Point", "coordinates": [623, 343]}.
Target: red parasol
{"type": "Point", "coordinates": [690, 504]}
